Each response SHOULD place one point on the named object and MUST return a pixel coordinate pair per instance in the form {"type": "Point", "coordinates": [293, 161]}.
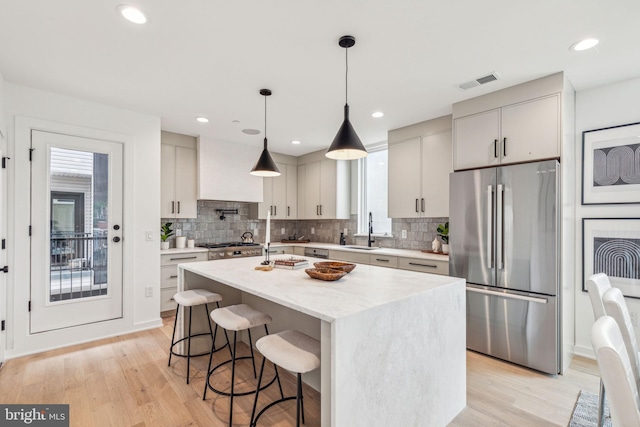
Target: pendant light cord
{"type": "Point", "coordinates": [346, 75]}
{"type": "Point", "coordinates": [265, 118]}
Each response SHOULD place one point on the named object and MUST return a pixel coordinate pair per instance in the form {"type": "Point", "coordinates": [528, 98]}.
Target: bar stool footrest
{"type": "Point", "coordinates": [194, 355]}
{"type": "Point", "coordinates": [284, 399]}
{"type": "Point", "coordinates": [224, 393]}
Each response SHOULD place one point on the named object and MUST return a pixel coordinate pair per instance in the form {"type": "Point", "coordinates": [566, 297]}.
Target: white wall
{"type": "Point", "coordinates": [610, 105]}
{"type": "Point", "coordinates": [140, 135]}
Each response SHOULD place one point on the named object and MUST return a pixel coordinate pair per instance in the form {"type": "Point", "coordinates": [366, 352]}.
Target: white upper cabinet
{"type": "Point", "coordinates": [531, 130]}
{"type": "Point", "coordinates": [477, 140]}
{"type": "Point", "coordinates": [223, 171]}
{"type": "Point", "coordinates": [280, 192]}
{"type": "Point", "coordinates": [178, 176]}
{"type": "Point", "coordinates": [323, 187]}
{"type": "Point", "coordinates": [405, 166]}
{"type": "Point", "coordinates": [513, 125]}
{"type": "Point", "coordinates": [419, 168]}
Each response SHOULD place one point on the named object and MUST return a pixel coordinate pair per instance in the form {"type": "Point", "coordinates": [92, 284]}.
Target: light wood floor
{"type": "Point", "coordinates": [125, 381]}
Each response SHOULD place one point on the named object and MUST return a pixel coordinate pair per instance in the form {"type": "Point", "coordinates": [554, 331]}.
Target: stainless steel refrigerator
{"type": "Point", "coordinates": [505, 240]}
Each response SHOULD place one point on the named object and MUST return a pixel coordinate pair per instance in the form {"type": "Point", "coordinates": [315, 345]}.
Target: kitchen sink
{"type": "Point", "coordinates": [364, 248]}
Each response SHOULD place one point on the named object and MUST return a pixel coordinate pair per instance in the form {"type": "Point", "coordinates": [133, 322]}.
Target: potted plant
{"type": "Point", "coordinates": [443, 232]}
{"type": "Point", "coordinates": [165, 233]}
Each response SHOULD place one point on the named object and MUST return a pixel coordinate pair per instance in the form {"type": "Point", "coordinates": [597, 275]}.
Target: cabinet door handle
{"type": "Point", "coordinates": [187, 257]}
{"type": "Point", "coordinates": [422, 203]}
{"type": "Point", "coordinates": [275, 210]}
{"type": "Point", "coordinates": [423, 265]}
{"type": "Point", "coordinates": [288, 210]}
{"type": "Point", "coordinates": [504, 147]}
{"type": "Point", "coordinates": [417, 209]}
{"type": "Point", "coordinates": [495, 148]}
{"type": "Point", "coordinates": [173, 205]}
{"type": "Point", "coordinates": [178, 206]}
{"type": "Point", "coordinates": [382, 259]}
{"type": "Point", "coordinates": [171, 299]}
{"type": "Point", "coordinates": [173, 277]}
{"type": "Point", "coordinates": [320, 210]}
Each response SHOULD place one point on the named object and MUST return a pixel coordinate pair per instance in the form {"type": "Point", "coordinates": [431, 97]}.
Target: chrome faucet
{"type": "Point", "coordinates": [370, 241]}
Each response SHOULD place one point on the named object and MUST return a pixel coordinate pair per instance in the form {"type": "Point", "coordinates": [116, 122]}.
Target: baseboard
{"type": "Point", "coordinates": [138, 327]}
{"type": "Point", "coordinates": [584, 352]}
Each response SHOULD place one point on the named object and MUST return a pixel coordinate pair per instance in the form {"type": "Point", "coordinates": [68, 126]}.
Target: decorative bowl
{"type": "Point", "coordinates": [328, 274]}
{"type": "Point", "coordinates": [335, 265]}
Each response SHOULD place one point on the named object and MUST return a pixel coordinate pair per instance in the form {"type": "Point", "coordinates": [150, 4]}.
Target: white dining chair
{"type": "Point", "coordinates": [615, 307]}
{"type": "Point", "coordinates": [616, 372]}
{"type": "Point", "coordinates": [597, 285]}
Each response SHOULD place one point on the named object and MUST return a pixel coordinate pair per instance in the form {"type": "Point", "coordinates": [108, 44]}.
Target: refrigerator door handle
{"type": "Point", "coordinates": [499, 228]}
{"type": "Point", "coordinates": [509, 296]}
{"type": "Point", "coordinates": [490, 226]}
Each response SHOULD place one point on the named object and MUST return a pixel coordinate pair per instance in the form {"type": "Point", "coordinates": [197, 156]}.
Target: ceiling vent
{"type": "Point", "coordinates": [479, 81]}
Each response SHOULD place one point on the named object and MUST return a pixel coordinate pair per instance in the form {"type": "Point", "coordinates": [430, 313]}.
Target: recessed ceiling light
{"type": "Point", "coordinates": [202, 119]}
{"type": "Point", "coordinates": [296, 142]}
{"type": "Point", "coordinates": [251, 131]}
{"type": "Point", "coordinates": [132, 14]}
{"type": "Point", "coordinates": [584, 44]}
{"type": "Point", "coordinates": [377, 114]}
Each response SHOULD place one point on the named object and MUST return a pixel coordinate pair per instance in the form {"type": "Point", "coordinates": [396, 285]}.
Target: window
{"type": "Point", "coordinates": [372, 183]}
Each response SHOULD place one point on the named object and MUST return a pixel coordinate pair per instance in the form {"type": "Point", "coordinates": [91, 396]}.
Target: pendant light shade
{"type": "Point", "coordinates": [346, 145]}
{"type": "Point", "coordinates": [265, 166]}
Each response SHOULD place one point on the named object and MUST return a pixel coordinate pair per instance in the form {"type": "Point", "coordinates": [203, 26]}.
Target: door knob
{"type": "Point", "coordinates": [116, 239]}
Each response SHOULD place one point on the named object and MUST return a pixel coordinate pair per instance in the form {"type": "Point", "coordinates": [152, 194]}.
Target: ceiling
{"type": "Point", "coordinates": [210, 58]}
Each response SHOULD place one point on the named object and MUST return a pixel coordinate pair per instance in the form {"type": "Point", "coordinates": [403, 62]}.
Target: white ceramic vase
{"type": "Point", "coordinates": [164, 245]}
{"type": "Point", "coordinates": [181, 242]}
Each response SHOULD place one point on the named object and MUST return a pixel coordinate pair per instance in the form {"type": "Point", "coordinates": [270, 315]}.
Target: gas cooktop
{"type": "Point", "coordinates": [225, 245]}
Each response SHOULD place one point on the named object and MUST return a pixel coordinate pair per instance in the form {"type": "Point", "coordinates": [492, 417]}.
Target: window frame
{"type": "Point", "coordinates": [362, 193]}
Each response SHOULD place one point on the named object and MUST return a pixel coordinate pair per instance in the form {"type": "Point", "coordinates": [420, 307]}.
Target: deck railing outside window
{"type": "Point", "coordinates": [78, 265]}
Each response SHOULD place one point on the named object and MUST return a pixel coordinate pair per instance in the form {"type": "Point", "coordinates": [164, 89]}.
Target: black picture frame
{"type": "Point", "coordinates": [612, 246]}
{"type": "Point", "coordinates": [604, 150]}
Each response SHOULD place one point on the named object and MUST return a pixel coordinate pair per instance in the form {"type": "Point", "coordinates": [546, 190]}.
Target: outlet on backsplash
{"type": "Point", "coordinates": [313, 230]}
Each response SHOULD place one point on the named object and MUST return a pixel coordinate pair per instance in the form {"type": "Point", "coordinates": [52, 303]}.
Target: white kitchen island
{"type": "Point", "coordinates": [393, 341]}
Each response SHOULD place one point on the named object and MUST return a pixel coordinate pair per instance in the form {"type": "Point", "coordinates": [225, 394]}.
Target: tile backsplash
{"type": "Point", "coordinates": [209, 228]}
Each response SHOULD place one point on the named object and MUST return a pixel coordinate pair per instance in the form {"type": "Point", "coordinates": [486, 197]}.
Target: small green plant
{"type": "Point", "coordinates": [166, 231]}
{"type": "Point", "coordinates": [443, 232]}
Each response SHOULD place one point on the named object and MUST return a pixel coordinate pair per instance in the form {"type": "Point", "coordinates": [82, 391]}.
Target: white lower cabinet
{"type": "Point", "coordinates": [169, 275]}
{"type": "Point", "coordinates": [347, 256]}
{"type": "Point", "coordinates": [384, 260]}
{"type": "Point", "coordinates": [424, 265]}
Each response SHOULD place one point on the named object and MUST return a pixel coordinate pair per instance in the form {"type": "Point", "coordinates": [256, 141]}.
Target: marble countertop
{"type": "Point", "coordinates": [364, 288]}
{"type": "Point", "coordinates": [175, 251]}
{"type": "Point", "coordinates": [407, 253]}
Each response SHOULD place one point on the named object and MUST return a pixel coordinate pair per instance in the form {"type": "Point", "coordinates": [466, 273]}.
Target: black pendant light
{"type": "Point", "coordinates": [346, 145]}
{"type": "Point", "coordinates": [265, 166]}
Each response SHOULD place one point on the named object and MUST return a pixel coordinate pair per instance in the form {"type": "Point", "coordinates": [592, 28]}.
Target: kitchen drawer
{"type": "Point", "coordinates": [168, 276]}
{"type": "Point", "coordinates": [173, 259]}
{"type": "Point", "coordinates": [298, 250]}
{"type": "Point", "coordinates": [384, 260]}
{"type": "Point", "coordinates": [424, 265]}
{"type": "Point", "coordinates": [347, 256]}
{"type": "Point", "coordinates": [166, 299]}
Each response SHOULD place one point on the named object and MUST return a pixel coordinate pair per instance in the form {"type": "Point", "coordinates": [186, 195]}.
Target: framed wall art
{"type": "Point", "coordinates": [611, 165]}
{"type": "Point", "coordinates": [612, 246]}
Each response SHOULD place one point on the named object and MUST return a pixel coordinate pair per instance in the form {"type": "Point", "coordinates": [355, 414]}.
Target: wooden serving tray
{"type": "Point", "coordinates": [295, 241]}
{"type": "Point", "coordinates": [335, 265]}
{"type": "Point", "coordinates": [429, 251]}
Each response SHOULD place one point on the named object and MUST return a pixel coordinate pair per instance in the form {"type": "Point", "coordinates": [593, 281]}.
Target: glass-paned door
{"type": "Point", "coordinates": [76, 219]}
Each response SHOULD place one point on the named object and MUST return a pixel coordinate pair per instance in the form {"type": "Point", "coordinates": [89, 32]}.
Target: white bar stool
{"type": "Point", "coordinates": [237, 318]}
{"type": "Point", "coordinates": [191, 298]}
{"type": "Point", "coordinates": [293, 351]}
